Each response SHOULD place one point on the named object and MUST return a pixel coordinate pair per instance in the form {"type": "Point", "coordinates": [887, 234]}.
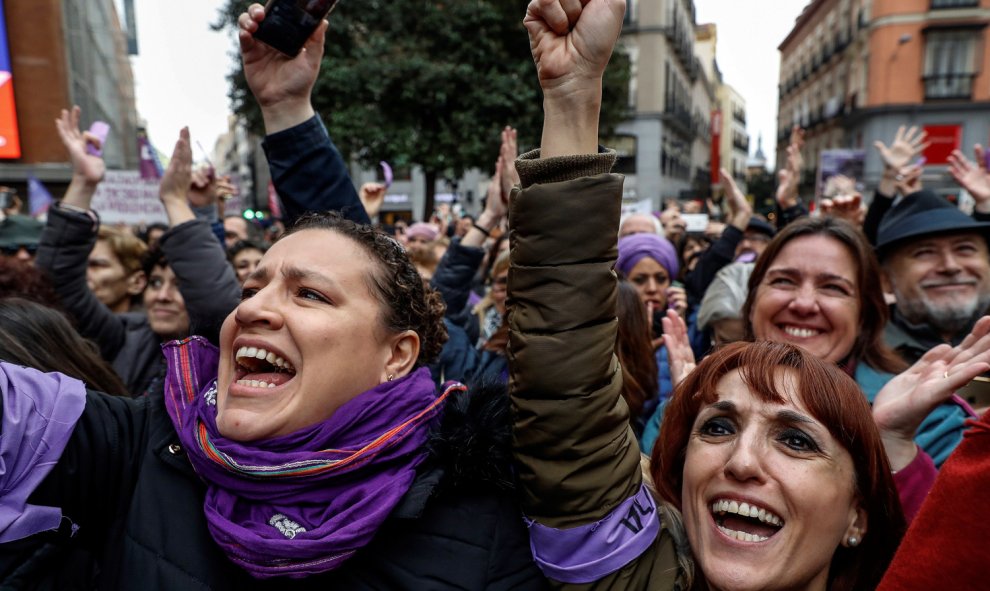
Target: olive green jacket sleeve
{"type": "Point", "coordinates": [578, 460]}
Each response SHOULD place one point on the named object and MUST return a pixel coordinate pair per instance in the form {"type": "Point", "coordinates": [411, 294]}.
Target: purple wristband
{"type": "Point", "coordinates": [587, 553]}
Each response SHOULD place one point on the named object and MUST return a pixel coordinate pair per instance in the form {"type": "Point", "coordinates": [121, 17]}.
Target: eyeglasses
{"type": "Point", "coordinates": [12, 250]}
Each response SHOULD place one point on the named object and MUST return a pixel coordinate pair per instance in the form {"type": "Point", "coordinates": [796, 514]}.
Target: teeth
{"type": "Point", "coordinates": [801, 333]}
{"type": "Point", "coordinates": [746, 510]}
{"type": "Point", "coordinates": [256, 353]}
{"type": "Point", "coordinates": [255, 383]}
{"type": "Point", "coordinates": [742, 536]}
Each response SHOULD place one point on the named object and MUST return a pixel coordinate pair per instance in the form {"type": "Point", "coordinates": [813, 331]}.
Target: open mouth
{"type": "Point", "coordinates": [260, 368]}
{"type": "Point", "coordinates": [744, 521]}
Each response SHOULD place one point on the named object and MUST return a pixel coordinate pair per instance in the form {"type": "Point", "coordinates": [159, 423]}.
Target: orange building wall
{"type": "Point", "coordinates": [896, 69]}
{"type": "Point", "coordinates": [37, 54]}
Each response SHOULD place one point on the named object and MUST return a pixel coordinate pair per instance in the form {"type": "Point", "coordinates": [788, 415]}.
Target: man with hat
{"type": "Point", "coordinates": [937, 264]}
{"type": "Point", "coordinates": [19, 237]}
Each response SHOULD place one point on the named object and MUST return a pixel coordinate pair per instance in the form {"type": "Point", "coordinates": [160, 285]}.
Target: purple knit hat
{"type": "Point", "coordinates": [635, 247]}
{"type": "Point", "coordinates": [423, 230]}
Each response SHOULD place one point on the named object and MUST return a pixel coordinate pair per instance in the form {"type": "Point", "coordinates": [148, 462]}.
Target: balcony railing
{"type": "Point", "coordinates": [936, 4]}
{"type": "Point", "coordinates": [948, 86]}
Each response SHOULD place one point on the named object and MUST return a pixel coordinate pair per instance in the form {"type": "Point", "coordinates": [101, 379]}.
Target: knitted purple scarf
{"type": "Point", "coordinates": [303, 503]}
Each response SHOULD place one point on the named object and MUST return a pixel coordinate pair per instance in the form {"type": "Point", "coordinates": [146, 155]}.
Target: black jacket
{"type": "Point", "coordinates": [207, 283]}
{"type": "Point", "coordinates": [126, 483]}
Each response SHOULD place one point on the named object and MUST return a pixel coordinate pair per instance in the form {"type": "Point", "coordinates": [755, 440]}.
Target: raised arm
{"type": "Point", "coordinates": [308, 171]}
{"type": "Point", "coordinates": [207, 282]}
{"type": "Point", "coordinates": [594, 524]}
{"type": "Point", "coordinates": [69, 236]}
{"type": "Point", "coordinates": [789, 206]}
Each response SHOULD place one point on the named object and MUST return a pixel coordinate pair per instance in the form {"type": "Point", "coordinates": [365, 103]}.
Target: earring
{"type": "Point", "coordinates": [853, 541]}
{"type": "Point", "coordinates": [391, 377]}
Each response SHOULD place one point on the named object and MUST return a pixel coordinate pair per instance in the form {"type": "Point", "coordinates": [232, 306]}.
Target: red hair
{"type": "Point", "coordinates": [834, 399]}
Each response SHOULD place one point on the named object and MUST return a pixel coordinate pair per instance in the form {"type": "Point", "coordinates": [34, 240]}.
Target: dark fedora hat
{"type": "Point", "coordinates": [921, 214]}
{"type": "Point", "coordinates": [758, 225]}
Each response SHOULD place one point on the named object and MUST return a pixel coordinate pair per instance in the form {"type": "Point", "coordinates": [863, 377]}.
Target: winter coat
{"type": "Point", "coordinates": [126, 485]}
{"type": "Point", "coordinates": [206, 280]}
{"type": "Point", "coordinates": [594, 524]}
{"type": "Point", "coordinates": [309, 173]}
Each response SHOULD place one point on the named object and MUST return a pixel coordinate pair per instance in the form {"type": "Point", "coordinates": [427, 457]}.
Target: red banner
{"type": "Point", "coordinates": [942, 140]}
{"type": "Point", "coordinates": [716, 146]}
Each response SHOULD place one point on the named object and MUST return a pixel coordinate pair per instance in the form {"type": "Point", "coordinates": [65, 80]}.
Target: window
{"type": "Point", "coordinates": [954, 3]}
{"type": "Point", "coordinates": [950, 63]}
{"type": "Point", "coordinates": [625, 148]}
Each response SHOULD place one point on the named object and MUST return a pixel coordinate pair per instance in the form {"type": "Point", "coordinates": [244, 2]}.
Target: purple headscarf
{"type": "Point", "coordinates": [636, 247]}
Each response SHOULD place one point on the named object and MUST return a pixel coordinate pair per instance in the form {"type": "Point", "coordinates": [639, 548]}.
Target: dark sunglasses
{"type": "Point", "coordinates": [14, 249]}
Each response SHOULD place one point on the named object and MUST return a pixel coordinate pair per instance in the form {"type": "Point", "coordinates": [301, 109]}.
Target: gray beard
{"type": "Point", "coordinates": [943, 319]}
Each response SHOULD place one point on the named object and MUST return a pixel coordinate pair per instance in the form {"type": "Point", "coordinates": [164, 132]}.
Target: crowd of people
{"type": "Point", "coordinates": [545, 395]}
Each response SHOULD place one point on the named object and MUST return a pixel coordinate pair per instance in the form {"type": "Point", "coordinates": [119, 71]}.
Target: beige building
{"type": "Point", "coordinates": [733, 145]}
{"type": "Point", "coordinates": [734, 141]}
{"type": "Point", "coordinates": [658, 144]}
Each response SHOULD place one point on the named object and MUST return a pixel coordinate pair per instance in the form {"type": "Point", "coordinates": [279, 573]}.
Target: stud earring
{"type": "Point", "coordinates": [391, 377]}
{"type": "Point", "coordinates": [853, 541]}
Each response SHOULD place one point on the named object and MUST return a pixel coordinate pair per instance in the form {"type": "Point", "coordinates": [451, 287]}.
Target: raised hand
{"type": "Point", "coordinates": [740, 211]}
{"type": "Point", "coordinates": [372, 196]}
{"type": "Point", "coordinates": [789, 179]}
{"type": "Point", "coordinates": [174, 188]}
{"type": "Point", "coordinates": [909, 181]}
{"type": "Point", "coordinates": [85, 166]}
{"type": "Point", "coordinates": [906, 400]}
{"type": "Point", "coordinates": [572, 40]}
{"type": "Point", "coordinates": [508, 153]}
{"type": "Point", "coordinates": [972, 176]}
{"type": "Point", "coordinates": [906, 146]}
{"type": "Point", "coordinates": [679, 352]}
{"type": "Point", "coordinates": [846, 207]}
{"type": "Point", "coordinates": [844, 201]}
{"type": "Point", "coordinates": [282, 85]}
{"type": "Point", "coordinates": [497, 200]}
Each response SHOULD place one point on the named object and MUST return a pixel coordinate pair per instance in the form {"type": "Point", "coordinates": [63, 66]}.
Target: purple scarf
{"type": "Point", "coordinates": [303, 503]}
{"type": "Point", "coordinates": [40, 412]}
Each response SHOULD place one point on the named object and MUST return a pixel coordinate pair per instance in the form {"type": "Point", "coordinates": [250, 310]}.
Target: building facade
{"type": "Point", "coordinates": [734, 148]}
{"type": "Point", "coordinates": [853, 71]}
{"type": "Point", "coordinates": [657, 144]}
{"type": "Point", "coordinates": [66, 52]}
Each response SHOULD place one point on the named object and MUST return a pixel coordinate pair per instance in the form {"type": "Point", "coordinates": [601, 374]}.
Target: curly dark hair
{"type": "Point", "coordinates": [28, 282]}
{"type": "Point", "coordinates": [406, 304]}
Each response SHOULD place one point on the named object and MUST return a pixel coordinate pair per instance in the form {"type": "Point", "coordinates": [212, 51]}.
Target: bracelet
{"type": "Point", "coordinates": [487, 233]}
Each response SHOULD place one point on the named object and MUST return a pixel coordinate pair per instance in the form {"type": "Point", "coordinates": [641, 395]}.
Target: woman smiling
{"type": "Point", "coordinates": [774, 459]}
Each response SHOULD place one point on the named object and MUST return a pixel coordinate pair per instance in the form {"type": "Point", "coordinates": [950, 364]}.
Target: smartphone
{"type": "Point", "coordinates": [289, 23]}
{"type": "Point", "coordinates": [656, 324]}
{"type": "Point", "coordinates": [695, 222]}
{"type": "Point", "coordinates": [101, 129]}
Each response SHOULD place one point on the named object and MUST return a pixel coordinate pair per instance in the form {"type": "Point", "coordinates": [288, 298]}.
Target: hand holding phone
{"type": "Point", "coordinates": [289, 23]}
{"type": "Point", "coordinates": [100, 130]}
